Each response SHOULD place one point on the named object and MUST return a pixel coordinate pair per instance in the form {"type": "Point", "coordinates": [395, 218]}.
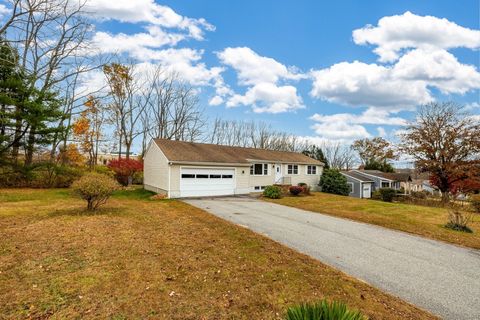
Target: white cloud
{"type": "Point", "coordinates": [472, 106]}
{"type": "Point", "coordinates": [381, 132]}
{"type": "Point", "coordinates": [369, 116]}
{"type": "Point", "coordinates": [253, 68]}
{"type": "Point", "coordinates": [265, 80]}
{"type": "Point", "coordinates": [398, 32]}
{"type": "Point", "coordinates": [269, 98]}
{"type": "Point", "coordinates": [346, 127]}
{"type": "Point", "coordinates": [147, 11]}
{"type": "Point", "coordinates": [439, 69]}
{"type": "Point", "coordinates": [140, 46]}
{"type": "Point", "coordinates": [361, 84]}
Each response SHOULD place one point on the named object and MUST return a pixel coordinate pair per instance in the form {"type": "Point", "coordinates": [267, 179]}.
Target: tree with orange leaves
{"type": "Point", "coordinates": [88, 128]}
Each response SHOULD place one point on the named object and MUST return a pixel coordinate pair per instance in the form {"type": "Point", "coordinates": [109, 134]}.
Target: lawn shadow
{"type": "Point", "coordinates": [82, 211]}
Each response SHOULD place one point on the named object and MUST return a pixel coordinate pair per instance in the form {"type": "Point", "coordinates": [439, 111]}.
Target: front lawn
{"type": "Point", "coordinates": [144, 259]}
{"type": "Point", "coordinates": [424, 221]}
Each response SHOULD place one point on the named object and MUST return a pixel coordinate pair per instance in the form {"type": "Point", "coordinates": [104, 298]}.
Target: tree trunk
{"type": "Point", "coordinates": [30, 146]}
{"type": "Point", "coordinates": [16, 139]}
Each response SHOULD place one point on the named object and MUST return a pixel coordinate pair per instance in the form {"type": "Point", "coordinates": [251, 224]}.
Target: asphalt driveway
{"type": "Point", "coordinates": [441, 278]}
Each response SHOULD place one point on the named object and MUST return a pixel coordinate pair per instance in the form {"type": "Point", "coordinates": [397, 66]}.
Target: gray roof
{"type": "Point", "coordinates": [357, 176]}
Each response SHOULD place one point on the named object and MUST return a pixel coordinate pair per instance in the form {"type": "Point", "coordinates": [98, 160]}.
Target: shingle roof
{"type": "Point", "coordinates": [357, 176]}
{"type": "Point", "coordinates": [182, 151]}
{"type": "Point", "coordinates": [398, 176]}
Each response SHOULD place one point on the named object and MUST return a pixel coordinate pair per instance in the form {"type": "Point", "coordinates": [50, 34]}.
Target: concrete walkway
{"type": "Point", "coordinates": [441, 278]}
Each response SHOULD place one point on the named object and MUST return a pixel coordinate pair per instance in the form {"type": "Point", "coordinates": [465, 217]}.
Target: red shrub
{"type": "Point", "coordinates": [125, 169]}
{"type": "Point", "coordinates": [295, 190]}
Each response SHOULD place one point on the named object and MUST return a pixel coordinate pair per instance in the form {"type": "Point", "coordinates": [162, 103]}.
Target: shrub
{"type": "Point", "coordinates": [323, 310]}
{"type": "Point", "coordinates": [306, 188]}
{"type": "Point", "coordinates": [272, 192]}
{"type": "Point", "coordinates": [387, 194]}
{"type": "Point", "coordinates": [475, 201]}
{"type": "Point", "coordinates": [295, 190]}
{"type": "Point", "coordinates": [39, 175]}
{"type": "Point", "coordinates": [125, 169]}
{"type": "Point", "coordinates": [419, 194]}
{"type": "Point", "coordinates": [95, 188]}
{"type": "Point", "coordinates": [333, 181]}
{"type": "Point", "coordinates": [458, 220]}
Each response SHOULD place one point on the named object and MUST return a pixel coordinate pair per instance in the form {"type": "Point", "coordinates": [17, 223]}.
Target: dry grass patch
{"type": "Point", "coordinates": [143, 259]}
{"type": "Point", "coordinates": [420, 220]}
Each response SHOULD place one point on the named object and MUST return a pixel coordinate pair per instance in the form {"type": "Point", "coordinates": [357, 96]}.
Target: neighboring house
{"type": "Point", "coordinates": [364, 182]}
{"type": "Point", "coordinates": [360, 186]}
{"type": "Point", "coordinates": [185, 169]}
{"type": "Point", "coordinates": [104, 158]}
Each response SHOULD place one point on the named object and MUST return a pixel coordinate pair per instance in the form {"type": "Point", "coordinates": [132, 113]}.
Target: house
{"type": "Point", "coordinates": [186, 169]}
{"type": "Point", "coordinates": [364, 182]}
{"type": "Point", "coordinates": [360, 186]}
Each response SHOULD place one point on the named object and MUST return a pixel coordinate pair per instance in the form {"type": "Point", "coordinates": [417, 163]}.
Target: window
{"type": "Point", "coordinates": [259, 169]}
{"type": "Point", "coordinates": [385, 184]}
{"type": "Point", "coordinates": [202, 176]}
{"type": "Point", "coordinates": [215, 176]}
{"type": "Point", "coordinates": [257, 187]}
{"type": "Point", "coordinates": [188, 176]}
{"type": "Point", "coordinates": [350, 187]}
{"type": "Point", "coordinates": [292, 169]}
{"type": "Point", "coordinates": [311, 169]}
{"type": "Point", "coordinates": [227, 176]}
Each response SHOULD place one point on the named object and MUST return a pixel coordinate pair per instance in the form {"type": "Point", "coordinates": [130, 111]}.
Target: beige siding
{"type": "Point", "coordinates": [302, 176]}
{"type": "Point", "coordinates": [155, 166]}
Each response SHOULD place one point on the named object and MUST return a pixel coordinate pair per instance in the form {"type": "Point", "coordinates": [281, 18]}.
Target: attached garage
{"type": "Point", "coordinates": [204, 181]}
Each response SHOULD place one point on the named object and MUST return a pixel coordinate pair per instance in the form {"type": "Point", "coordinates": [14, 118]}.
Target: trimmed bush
{"type": "Point", "coordinates": [475, 201]}
{"type": "Point", "coordinates": [272, 192]}
{"type": "Point", "coordinates": [95, 188]}
{"type": "Point", "coordinates": [323, 310]}
{"type": "Point", "coordinates": [387, 194]}
{"type": "Point", "coordinates": [295, 190]}
{"type": "Point", "coordinates": [333, 181]}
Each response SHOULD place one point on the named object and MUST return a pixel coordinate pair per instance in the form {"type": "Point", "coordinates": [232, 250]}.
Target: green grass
{"type": "Point", "coordinates": [420, 220]}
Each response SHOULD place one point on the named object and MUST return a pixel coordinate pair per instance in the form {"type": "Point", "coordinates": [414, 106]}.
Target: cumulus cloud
{"type": "Point", "coordinates": [403, 85]}
{"type": "Point", "coordinates": [253, 68]}
{"type": "Point", "coordinates": [269, 98]}
{"type": "Point", "coordinates": [265, 79]}
{"type": "Point", "coordinates": [147, 11]}
{"type": "Point", "coordinates": [347, 127]}
{"type": "Point", "coordinates": [439, 69]}
{"type": "Point", "coordinates": [361, 84]}
{"type": "Point", "coordinates": [398, 32]}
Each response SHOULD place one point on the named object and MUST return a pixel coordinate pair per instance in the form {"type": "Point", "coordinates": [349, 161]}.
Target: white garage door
{"type": "Point", "coordinates": [199, 182]}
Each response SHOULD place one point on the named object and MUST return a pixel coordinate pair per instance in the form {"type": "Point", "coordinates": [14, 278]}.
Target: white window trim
{"type": "Point", "coordinates": [311, 174]}
{"type": "Point", "coordinates": [263, 170]}
{"type": "Point", "coordinates": [353, 187]}
{"type": "Point", "coordinates": [293, 174]}
{"type": "Point", "coordinates": [389, 183]}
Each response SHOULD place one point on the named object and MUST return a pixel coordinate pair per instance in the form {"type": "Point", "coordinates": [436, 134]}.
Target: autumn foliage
{"type": "Point", "coordinates": [125, 169]}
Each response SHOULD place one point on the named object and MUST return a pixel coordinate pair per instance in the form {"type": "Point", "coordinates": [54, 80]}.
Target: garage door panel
{"type": "Point", "coordinates": [206, 182]}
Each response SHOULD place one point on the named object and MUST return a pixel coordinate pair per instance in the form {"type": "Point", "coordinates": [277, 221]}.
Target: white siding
{"type": "Point", "coordinates": [155, 170]}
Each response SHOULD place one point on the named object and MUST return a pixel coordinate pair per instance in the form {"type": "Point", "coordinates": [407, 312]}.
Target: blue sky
{"type": "Point", "coordinates": [323, 70]}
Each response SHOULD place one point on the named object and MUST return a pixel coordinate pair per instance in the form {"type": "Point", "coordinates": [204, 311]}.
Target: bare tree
{"type": "Point", "coordinates": [253, 134]}
{"type": "Point", "coordinates": [339, 156]}
{"type": "Point", "coordinates": [51, 38]}
{"type": "Point", "coordinates": [173, 110]}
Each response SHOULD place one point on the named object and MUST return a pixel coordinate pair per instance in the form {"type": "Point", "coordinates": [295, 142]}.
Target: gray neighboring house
{"type": "Point", "coordinates": [360, 185]}
{"type": "Point", "coordinates": [364, 182]}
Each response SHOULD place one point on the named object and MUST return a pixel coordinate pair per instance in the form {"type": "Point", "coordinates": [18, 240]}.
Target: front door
{"type": "Point", "coordinates": [366, 190]}
{"type": "Point", "coordinates": [278, 173]}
